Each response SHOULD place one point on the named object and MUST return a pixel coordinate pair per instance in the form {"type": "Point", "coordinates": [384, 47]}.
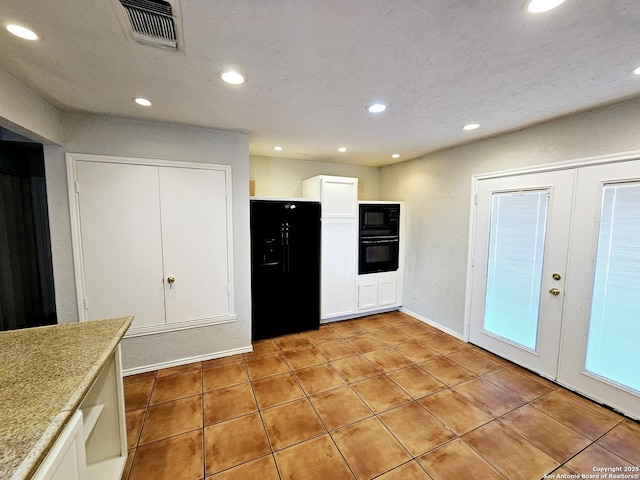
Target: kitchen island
{"type": "Point", "coordinates": [55, 376]}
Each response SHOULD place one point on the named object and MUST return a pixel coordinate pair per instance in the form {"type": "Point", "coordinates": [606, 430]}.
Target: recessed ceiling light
{"type": "Point", "coordinates": [22, 32]}
{"type": "Point", "coordinates": [637, 71]}
{"type": "Point", "coordinates": [541, 6]}
{"type": "Point", "coordinates": [377, 107]}
{"type": "Point", "coordinates": [395, 155]}
{"type": "Point", "coordinates": [342, 149]}
{"type": "Point", "coordinates": [277, 148]}
{"type": "Point", "coordinates": [232, 77]}
{"type": "Point", "coordinates": [142, 101]}
{"type": "Point", "coordinates": [471, 126]}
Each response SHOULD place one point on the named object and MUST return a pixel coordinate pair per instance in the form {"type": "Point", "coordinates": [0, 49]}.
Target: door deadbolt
{"type": "Point", "coordinates": [556, 276]}
{"type": "Point", "coordinates": [554, 291]}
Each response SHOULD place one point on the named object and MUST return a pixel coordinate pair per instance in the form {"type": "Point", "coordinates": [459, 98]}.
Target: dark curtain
{"type": "Point", "coordinates": [26, 272]}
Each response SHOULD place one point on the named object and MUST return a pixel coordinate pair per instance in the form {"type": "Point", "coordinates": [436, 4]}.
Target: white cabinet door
{"type": "Point", "coordinates": [367, 295]}
{"type": "Point", "coordinates": [66, 459]}
{"type": "Point", "coordinates": [194, 243]}
{"type": "Point", "coordinates": [338, 268]}
{"type": "Point", "coordinates": [339, 197]}
{"type": "Point", "coordinates": [387, 293]}
{"type": "Point", "coordinates": [121, 246]}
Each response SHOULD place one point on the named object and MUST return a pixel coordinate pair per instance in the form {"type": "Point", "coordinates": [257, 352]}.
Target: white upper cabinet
{"type": "Point", "coordinates": [151, 239]}
{"type": "Point", "coordinates": [338, 195]}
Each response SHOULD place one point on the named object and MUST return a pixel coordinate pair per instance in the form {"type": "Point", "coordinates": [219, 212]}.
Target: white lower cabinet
{"type": "Point", "coordinates": [378, 291]}
{"type": "Point", "coordinates": [93, 444]}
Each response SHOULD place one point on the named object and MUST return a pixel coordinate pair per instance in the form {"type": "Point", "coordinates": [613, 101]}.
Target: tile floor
{"type": "Point", "coordinates": [383, 397]}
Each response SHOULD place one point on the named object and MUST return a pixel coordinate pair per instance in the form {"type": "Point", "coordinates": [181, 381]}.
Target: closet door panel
{"type": "Point", "coordinates": [195, 246]}
{"type": "Point", "coordinates": [121, 246]}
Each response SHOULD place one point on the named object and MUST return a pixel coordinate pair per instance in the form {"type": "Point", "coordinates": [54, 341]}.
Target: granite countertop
{"type": "Point", "coordinates": [45, 372]}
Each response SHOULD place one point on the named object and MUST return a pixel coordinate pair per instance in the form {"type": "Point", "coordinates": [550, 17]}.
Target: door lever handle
{"type": "Point", "coordinates": [554, 291]}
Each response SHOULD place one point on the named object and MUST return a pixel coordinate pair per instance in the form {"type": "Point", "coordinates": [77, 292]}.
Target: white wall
{"type": "Point", "coordinates": [131, 138]}
{"type": "Point", "coordinates": [437, 190]}
{"type": "Point", "coordinates": [26, 113]}
{"type": "Point", "coordinates": [282, 177]}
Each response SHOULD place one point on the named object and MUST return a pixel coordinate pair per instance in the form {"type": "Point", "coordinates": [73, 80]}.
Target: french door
{"type": "Point", "coordinates": [555, 277]}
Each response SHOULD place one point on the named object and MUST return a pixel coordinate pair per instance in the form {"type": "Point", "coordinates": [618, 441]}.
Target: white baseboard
{"type": "Point", "coordinates": [185, 361]}
{"type": "Point", "coordinates": [352, 316]}
{"type": "Point", "coordinates": [431, 323]}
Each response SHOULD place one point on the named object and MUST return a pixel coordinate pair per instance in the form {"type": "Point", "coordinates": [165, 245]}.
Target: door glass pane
{"type": "Point", "coordinates": [614, 329]}
{"type": "Point", "coordinates": [514, 273]}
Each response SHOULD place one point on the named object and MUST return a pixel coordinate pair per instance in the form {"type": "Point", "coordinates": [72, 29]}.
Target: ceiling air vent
{"type": "Point", "coordinates": [151, 22]}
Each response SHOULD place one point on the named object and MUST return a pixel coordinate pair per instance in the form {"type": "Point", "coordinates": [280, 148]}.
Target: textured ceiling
{"type": "Point", "coordinates": [314, 65]}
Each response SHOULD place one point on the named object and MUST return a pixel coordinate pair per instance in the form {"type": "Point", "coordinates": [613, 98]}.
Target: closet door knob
{"type": "Point", "coordinates": [170, 280]}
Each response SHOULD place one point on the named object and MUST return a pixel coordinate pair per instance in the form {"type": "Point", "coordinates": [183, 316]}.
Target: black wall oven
{"type": "Point", "coordinates": [379, 240]}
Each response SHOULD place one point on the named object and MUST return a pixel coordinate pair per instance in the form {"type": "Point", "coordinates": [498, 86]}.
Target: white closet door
{"type": "Point", "coordinates": [339, 259]}
{"type": "Point", "coordinates": [121, 247]}
{"type": "Point", "coordinates": [194, 242]}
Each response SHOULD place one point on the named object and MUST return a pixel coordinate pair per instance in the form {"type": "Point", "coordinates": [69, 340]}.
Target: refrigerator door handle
{"type": "Point", "coordinates": [284, 230]}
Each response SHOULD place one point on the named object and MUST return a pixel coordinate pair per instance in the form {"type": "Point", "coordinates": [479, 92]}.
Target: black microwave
{"type": "Point", "coordinates": [379, 219]}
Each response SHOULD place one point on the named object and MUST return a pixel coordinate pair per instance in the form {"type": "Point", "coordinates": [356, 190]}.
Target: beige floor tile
{"type": "Point", "coordinates": [456, 460]}
{"type": "Point", "coordinates": [336, 349]}
{"type": "Point", "coordinates": [448, 371]}
{"type": "Point", "coordinates": [516, 384]}
{"type": "Point", "coordinates": [177, 457]}
{"type": "Point", "coordinates": [575, 415]}
{"type": "Point", "coordinates": [227, 403]}
{"type": "Point", "coordinates": [369, 448]}
{"type": "Point", "coordinates": [380, 393]}
{"type": "Point", "coordinates": [316, 459]}
{"type": "Point", "coordinates": [140, 377]}
{"type": "Point", "coordinates": [319, 378]}
{"type": "Point", "coordinates": [322, 335]}
{"type": "Point", "coordinates": [340, 407]}
{"type": "Point", "coordinates": [549, 435]}
{"type": "Point", "coordinates": [476, 362]}
{"type": "Point", "coordinates": [263, 468]}
{"type": "Point", "coordinates": [392, 336]}
{"type": "Point", "coordinates": [596, 456]}
{"type": "Point", "coordinates": [261, 347]}
{"type": "Point", "coordinates": [455, 411]}
{"type": "Point", "coordinates": [134, 421]}
{"type": "Point", "coordinates": [487, 396]}
{"type": "Point", "coordinates": [388, 360]}
{"type": "Point", "coordinates": [348, 329]}
{"type": "Point", "coordinates": [624, 441]}
{"type": "Point", "coordinates": [189, 367]}
{"type": "Point", "coordinates": [236, 441]}
{"type": "Point", "coordinates": [172, 418]}
{"type": "Point", "coordinates": [136, 395]}
{"type": "Point", "coordinates": [367, 343]}
{"type": "Point", "coordinates": [176, 386]}
{"type": "Point", "coordinates": [509, 453]}
{"type": "Point", "coordinates": [303, 357]}
{"type": "Point", "coordinates": [216, 362]}
{"type": "Point", "coordinates": [355, 369]}
{"type": "Point", "coordinates": [416, 382]}
{"type": "Point", "coordinates": [419, 330]}
{"type": "Point", "coordinates": [266, 366]}
{"type": "Point", "coordinates": [272, 391]}
{"type": "Point", "coordinates": [224, 376]}
{"type": "Point", "coordinates": [289, 342]}
{"type": "Point", "coordinates": [292, 423]}
{"type": "Point", "coordinates": [416, 428]}
{"type": "Point", "coordinates": [444, 344]}
{"type": "Point", "coordinates": [416, 351]}
{"type": "Point", "coordinates": [409, 471]}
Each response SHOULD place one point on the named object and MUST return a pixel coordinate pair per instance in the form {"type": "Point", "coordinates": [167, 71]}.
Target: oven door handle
{"type": "Point", "coordinates": [378, 242]}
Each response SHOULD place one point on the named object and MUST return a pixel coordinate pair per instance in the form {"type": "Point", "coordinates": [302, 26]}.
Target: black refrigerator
{"type": "Point", "coordinates": [285, 267]}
